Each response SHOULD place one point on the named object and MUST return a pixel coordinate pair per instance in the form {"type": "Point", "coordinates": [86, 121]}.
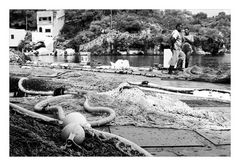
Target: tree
{"type": "Point", "coordinates": [127, 22]}
{"type": "Point", "coordinates": [22, 19]}
{"type": "Point", "coordinates": [200, 16]}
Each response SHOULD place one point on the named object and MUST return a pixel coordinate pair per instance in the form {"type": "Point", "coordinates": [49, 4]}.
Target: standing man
{"type": "Point", "coordinates": [187, 45]}
{"type": "Point", "coordinates": [65, 56]}
{"type": "Point", "coordinates": [176, 40]}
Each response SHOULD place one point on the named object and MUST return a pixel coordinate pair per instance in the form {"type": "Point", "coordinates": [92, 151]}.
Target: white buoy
{"type": "Point", "coordinates": [73, 132]}
{"type": "Point", "coordinates": [75, 117]}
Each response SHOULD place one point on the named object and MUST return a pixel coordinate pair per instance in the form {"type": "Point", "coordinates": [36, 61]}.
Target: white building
{"type": "Point", "coordinates": [50, 21]}
{"type": "Point", "coordinates": [49, 24]}
{"type": "Point", "coordinates": [15, 36]}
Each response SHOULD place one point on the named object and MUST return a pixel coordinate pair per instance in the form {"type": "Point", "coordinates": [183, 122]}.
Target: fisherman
{"type": "Point", "coordinates": [176, 40]}
{"type": "Point", "coordinates": [187, 45]}
{"type": "Point", "coordinates": [65, 56]}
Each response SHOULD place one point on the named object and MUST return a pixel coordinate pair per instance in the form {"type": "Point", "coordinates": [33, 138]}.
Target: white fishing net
{"type": "Point", "coordinates": [135, 107]}
{"type": "Point", "coordinates": [149, 109]}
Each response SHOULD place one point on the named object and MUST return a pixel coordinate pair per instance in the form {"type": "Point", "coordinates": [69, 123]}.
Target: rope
{"type": "Point", "coordinates": [31, 92]}
{"type": "Point", "coordinates": [102, 121]}
{"type": "Point", "coordinates": [44, 105]}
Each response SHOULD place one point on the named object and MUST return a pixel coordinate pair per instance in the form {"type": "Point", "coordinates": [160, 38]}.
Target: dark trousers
{"type": "Point", "coordinates": [179, 64]}
{"type": "Point", "coordinates": [170, 69]}
{"type": "Point", "coordinates": [187, 59]}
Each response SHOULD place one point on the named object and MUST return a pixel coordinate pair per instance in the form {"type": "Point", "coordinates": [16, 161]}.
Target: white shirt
{"type": "Point", "coordinates": [178, 37]}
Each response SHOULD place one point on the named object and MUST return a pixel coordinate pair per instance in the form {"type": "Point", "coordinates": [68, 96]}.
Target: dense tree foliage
{"type": "Point", "coordinates": [23, 19]}
{"type": "Point", "coordinates": [152, 28]}
{"type": "Point", "coordinates": [112, 30]}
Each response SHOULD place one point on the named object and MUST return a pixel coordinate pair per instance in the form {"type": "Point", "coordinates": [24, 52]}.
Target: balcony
{"type": "Point", "coordinates": [45, 20]}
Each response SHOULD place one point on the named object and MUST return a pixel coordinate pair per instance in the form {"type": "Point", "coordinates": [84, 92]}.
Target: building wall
{"type": "Point", "coordinates": [41, 14]}
{"type": "Point", "coordinates": [45, 21]}
{"type": "Point", "coordinates": [58, 23]}
{"type": "Point", "coordinates": [15, 36]}
{"type": "Point", "coordinates": [46, 27]}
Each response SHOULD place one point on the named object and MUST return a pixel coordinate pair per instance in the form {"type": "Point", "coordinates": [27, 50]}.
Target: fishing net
{"type": "Point", "coordinates": [40, 85]}
{"type": "Point", "coordinates": [133, 106]}
{"type": "Point", "coordinates": [33, 137]}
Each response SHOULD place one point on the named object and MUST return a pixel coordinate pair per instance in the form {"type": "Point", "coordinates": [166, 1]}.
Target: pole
{"type": "Point", "coordinates": [26, 20]}
{"type": "Point", "coordinates": [111, 19]}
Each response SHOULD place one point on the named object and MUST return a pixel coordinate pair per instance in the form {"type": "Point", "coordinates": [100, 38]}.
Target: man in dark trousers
{"type": "Point", "coordinates": [187, 45]}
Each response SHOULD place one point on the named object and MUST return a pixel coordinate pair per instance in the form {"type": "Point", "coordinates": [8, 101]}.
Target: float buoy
{"type": "Point", "coordinates": [77, 118]}
{"type": "Point", "coordinates": [73, 132]}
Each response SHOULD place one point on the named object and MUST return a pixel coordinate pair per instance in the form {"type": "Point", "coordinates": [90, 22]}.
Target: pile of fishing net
{"type": "Point", "coordinates": [208, 74]}
{"type": "Point", "coordinates": [33, 84]}
{"type": "Point", "coordinates": [17, 57]}
{"type": "Point", "coordinates": [133, 106]}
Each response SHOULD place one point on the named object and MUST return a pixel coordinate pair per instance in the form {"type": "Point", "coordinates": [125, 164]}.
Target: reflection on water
{"type": "Point", "coordinates": [136, 61]}
{"type": "Point", "coordinates": [217, 62]}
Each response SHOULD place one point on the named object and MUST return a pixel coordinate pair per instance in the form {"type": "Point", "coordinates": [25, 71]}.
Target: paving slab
{"type": "Point", "coordinates": [191, 151]}
{"type": "Point", "coordinates": [161, 152]}
{"type": "Point", "coordinates": [221, 137]}
{"type": "Point", "coordinates": [149, 137]}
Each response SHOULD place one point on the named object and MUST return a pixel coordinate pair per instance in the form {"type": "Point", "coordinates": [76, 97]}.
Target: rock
{"type": "Point", "coordinates": [53, 65]}
{"type": "Point", "coordinates": [65, 66]}
{"type": "Point", "coordinates": [120, 64]}
{"type": "Point", "coordinates": [26, 67]}
{"type": "Point", "coordinates": [70, 51]}
{"type": "Point", "coordinates": [43, 51]}
{"type": "Point", "coordinates": [60, 52]}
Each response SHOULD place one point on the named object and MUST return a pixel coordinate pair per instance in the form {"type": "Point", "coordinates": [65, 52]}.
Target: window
{"type": "Point", "coordinates": [47, 30]}
{"type": "Point", "coordinates": [12, 36]}
{"type": "Point", "coordinates": [40, 29]}
{"type": "Point", "coordinates": [45, 18]}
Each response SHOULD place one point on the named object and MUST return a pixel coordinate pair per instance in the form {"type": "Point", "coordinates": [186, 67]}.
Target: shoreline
{"type": "Point", "coordinates": [210, 76]}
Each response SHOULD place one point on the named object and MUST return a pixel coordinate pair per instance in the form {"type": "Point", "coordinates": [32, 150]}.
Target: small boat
{"type": "Point", "coordinates": [215, 94]}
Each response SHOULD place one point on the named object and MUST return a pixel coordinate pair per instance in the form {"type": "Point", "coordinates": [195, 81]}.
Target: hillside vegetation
{"type": "Point", "coordinates": [109, 31]}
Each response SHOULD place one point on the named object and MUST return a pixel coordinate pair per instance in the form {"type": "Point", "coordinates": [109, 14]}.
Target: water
{"type": "Point", "coordinates": [217, 62]}
{"type": "Point", "coordinates": [222, 62]}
